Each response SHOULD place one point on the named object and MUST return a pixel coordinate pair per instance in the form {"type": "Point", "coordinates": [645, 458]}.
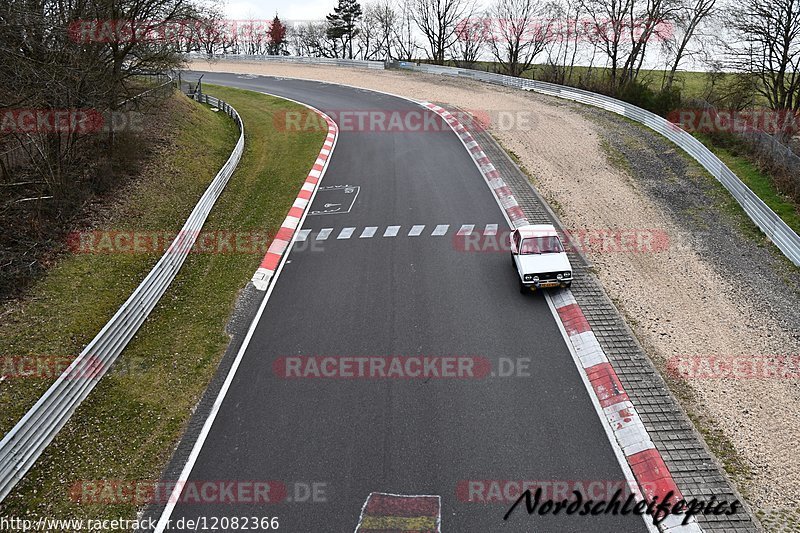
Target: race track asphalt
{"type": "Point", "coordinates": [401, 296]}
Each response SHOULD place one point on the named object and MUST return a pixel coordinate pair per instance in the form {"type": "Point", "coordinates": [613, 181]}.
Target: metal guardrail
{"type": "Point", "coordinates": [357, 63]}
{"type": "Point", "coordinates": [158, 90]}
{"type": "Point", "coordinates": [26, 441]}
{"type": "Point", "coordinates": [765, 218]}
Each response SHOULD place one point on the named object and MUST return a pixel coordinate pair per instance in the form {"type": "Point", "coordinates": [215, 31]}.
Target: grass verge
{"type": "Point", "coordinates": [758, 182]}
{"type": "Point", "coordinates": [128, 426]}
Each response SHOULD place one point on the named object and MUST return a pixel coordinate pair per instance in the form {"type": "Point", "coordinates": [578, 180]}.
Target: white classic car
{"type": "Point", "coordinates": [539, 258]}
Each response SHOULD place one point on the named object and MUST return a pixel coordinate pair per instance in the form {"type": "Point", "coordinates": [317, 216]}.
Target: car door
{"type": "Point", "coordinates": [515, 245]}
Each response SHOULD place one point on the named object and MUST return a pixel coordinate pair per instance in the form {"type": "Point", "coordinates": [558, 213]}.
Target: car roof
{"type": "Point", "coordinates": [537, 230]}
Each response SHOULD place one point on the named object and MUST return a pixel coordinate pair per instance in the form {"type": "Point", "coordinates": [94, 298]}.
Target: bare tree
{"type": "Point", "coordinates": [372, 38]}
{"type": "Point", "coordinates": [520, 31]}
{"type": "Point", "coordinates": [688, 19]}
{"type": "Point", "coordinates": [646, 21]}
{"type": "Point", "coordinates": [404, 42]}
{"type": "Point", "coordinates": [566, 33]}
{"type": "Point", "coordinates": [438, 21]}
{"type": "Point", "coordinates": [623, 29]}
{"type": "Point", "coordinates": [210, 31]}
{"type": "Point", "coordinates": [311, 40]}
{"type": "Point", "coordinates": [608, 20]}
{"type": "Point", "coordinates": [253, 37]}
{"type": "Point", "coordinates": [57, 56]}
{"type": "Point", "coordinates": [472, 36]}
{"type": "Point", "coordinates": [387, 20]}
{"type": "Point", "coordinates": [765, 45]}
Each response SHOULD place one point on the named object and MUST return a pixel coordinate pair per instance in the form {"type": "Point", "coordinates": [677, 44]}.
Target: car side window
{"type": "Point", "coordinates": [515, 237]}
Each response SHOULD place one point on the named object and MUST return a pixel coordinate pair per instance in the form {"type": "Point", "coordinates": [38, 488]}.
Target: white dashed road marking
{"type": "Point", "coordinates": [391, 231]}
{"type": "Point", "coordinates": [346, 233]}
{"type": "Point", "coordinates": [416, 230]}
{"type": "Point", "coordinates": [368, 232]}
{"type": "Point", "coordinates": [466, 229]}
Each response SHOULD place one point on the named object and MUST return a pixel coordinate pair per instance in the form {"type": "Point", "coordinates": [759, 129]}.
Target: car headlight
{"type": "Point", "coordinates": [535, 278]}
{"type": "Point", "coordinates": [528, 277]}
{"type": "Point", "coordinates": [568, 274]}
{"type": "Point", "coordinates": [559, 277]}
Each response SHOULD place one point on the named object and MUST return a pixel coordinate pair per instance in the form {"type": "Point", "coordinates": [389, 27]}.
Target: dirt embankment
{"type": "Point", "coordinates": [692, 299]}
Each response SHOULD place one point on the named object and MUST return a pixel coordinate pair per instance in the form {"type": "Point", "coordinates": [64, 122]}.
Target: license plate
{"type": "Point", "coordinates": [548, 284]}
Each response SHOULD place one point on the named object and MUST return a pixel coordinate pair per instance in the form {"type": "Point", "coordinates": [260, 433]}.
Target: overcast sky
{"type": "Point", "coordinates": [287, 9]}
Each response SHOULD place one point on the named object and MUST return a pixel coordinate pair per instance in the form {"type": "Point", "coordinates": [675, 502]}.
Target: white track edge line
{"type": "Point", "coordinates": [166, 513]}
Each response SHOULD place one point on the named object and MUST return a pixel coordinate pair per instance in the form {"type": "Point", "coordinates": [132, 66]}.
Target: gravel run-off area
{"type": "Point", "coordinates": [717, 290]}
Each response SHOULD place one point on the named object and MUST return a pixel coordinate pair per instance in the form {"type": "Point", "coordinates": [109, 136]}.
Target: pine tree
{"type": "Point", "coordinates": [343, 23]}
{"type": "Point", "coordinates": [276, 37]}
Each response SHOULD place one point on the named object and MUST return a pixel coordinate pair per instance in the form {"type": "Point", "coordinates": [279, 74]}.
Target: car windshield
{"type": "Point", "coordinates": [541, 245]}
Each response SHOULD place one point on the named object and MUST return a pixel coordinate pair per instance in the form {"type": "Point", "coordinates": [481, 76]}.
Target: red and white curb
{"type": "Point", "coordinates": [643, 458]}
{"type": "Point", "coordinates": [392, 513]}
{"type": "Point", "coordinates": [501, 191]}
{"type": "Point", "coordinates": [285, 235]}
